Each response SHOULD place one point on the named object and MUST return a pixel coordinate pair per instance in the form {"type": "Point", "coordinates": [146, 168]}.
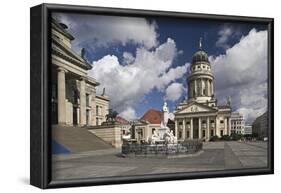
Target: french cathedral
{"type": "Point", "coordinates": [200, 116]}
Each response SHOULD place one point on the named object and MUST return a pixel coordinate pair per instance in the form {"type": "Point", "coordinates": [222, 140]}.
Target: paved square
{"type": "Point", "coordinates": [214, 156]}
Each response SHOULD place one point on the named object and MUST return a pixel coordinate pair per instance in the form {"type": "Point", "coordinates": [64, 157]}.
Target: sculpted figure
{"type": "Point", "coordinates": [165, 110]}
{"type": "Point", "coordinates": [154, 137]}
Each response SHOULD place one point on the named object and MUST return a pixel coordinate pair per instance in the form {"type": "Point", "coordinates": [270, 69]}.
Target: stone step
{"type": "Point", "coordinates": [78, 139]}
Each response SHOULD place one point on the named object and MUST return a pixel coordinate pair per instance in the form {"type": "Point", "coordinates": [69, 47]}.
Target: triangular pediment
{"type": "Point", "coordinates": [69, 54]}
{"type": "Point", "coordinates": [195, 108]}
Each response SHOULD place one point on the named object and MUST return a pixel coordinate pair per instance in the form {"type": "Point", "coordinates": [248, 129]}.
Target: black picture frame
{"type": "Point", "coordinates": [40, 135]}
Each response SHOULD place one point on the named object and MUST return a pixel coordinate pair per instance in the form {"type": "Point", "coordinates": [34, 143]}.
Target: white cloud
{"type": "Point", "coordinates": [172, 74]}
{"type": "Point", "coordinates": [128, 84]}
{"type": "Point", "coordinates": [171, 116]}
{"type": "Point", "coordinates": [128, 58]}
{"type": "Point", "coordinates": [224, 35]}
{"type": "Point", "coordinates": [174, 91]}
{"type": "Point", "coordinates": [97, 30]}
{"type": "Point", "coordinates": [129, 114]}
{"type": "Point", "coordinates": [241, 73]}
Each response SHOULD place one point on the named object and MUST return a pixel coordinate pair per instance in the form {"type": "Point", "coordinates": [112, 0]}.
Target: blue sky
{"type": "Point", "coordinates": [142, 61]}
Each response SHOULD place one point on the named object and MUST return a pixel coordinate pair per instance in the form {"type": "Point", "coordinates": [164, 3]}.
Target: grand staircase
{"type": "Point", "coordinates": [77, 139]}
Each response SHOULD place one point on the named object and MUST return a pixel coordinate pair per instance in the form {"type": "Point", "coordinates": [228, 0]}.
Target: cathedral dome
{"type": "Point", "coordinates": [200, 56]}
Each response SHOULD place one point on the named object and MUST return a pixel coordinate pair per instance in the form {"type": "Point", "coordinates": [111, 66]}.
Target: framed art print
{"type": "Point", "coordinates": [123, 96]}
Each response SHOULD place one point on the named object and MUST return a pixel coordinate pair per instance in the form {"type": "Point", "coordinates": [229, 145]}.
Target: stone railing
{"type": "Point", "coordinates": [186, 147]}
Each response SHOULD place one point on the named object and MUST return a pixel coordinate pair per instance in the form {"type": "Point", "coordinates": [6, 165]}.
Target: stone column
{"type": "Point", "coordinates": [191, 128]}
{"type": "Point", "coordinates": [208, 88]}
{"type": "Point", "coordinates": [78, 116]}
{"type": "Point", "coordinates": [212, 87]}
{"type": "Point", "coordinates": [90, 110]}
{"type": "Point", "coordinates": [202, 82]}
{"type": "Point", "coordinates": [82, 102]}
{"type": "Point", "coordinates": [217, 127]}
{"type": "Point", "coordinates": [225, 126]}
{"type": "Point", "coordinates": [183, 129]}
{"type": "Point", "coordinates": [195, 89]}
{"type": "Point", "coordinates": [61, 96]}
{"type": "Point", "coordinates": [229, 126]}
{"type": "Point", "coordinates": [208, 129]}
{"type": "Point", "coordinates": [199, 129]}
{"type": "Point", "coordinates": [176, 128]}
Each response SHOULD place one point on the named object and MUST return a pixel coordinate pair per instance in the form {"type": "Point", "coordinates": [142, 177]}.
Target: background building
{"type": "Point", "coordinates": [150, 121]}
{"type": "Point", "coordinates": [260, 125]}
{"type": "Point", "coordinates": [74, 99]}
{"type": "Point", "coordinates": [248, 130]}
{"type": "Point", "coordinates": [237, 124]}
{"type": "Point", "coordinates": [199, 117]}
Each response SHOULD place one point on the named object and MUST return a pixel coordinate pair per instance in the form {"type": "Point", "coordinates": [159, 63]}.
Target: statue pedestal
{"type": "Point", "coordinates": [162, 131]}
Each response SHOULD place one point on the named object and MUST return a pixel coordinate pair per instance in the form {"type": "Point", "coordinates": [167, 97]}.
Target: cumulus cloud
{"type": "Point", "coordinates": [226, 33]}
{"type": "Point", "coordinates": [174, 91]}
{"type": "Point", "coordinates": [97, 30]}
{"type": "Point", "coordinates": [241, 73]}
{"type": "Point", "coordinates": [128, 58]}
{"type": "Point", "coordinates": [128, 84]}
{"type": "Point", "coordinates": [129, 114]}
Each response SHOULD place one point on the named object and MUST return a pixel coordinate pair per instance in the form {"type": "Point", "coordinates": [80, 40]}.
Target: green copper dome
{"type": "Point", "coordinates": [200, 56]}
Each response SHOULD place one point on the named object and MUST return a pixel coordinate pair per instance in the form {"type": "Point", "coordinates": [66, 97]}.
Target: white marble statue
{"type": "Point", "coordinates": [155, 137]}
{"type": "Point", "coordinates": [165, 111]}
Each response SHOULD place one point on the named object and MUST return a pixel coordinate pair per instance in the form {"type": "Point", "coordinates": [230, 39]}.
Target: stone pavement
{"type": "Point", "coordinates": [214, 156]}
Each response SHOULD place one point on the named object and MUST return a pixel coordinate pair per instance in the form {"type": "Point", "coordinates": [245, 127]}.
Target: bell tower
{"type": "Point", "coordinates": [201, 79]}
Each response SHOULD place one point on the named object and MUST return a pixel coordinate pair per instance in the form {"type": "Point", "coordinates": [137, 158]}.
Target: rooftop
{"type": "Point", "coordinates": [153, 116]}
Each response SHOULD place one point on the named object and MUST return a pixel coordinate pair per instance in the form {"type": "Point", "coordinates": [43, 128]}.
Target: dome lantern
{"type": "Point", "coordinates": [200, 55]}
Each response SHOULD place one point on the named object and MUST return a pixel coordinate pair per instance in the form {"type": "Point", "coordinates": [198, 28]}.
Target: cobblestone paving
{"type": "Point", "coordinates": [214, 156]}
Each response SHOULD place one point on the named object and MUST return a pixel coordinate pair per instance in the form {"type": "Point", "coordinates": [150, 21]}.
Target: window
{"type": "Point", "coordinates": [180, 134]}
{"type": "Point", "coordinates": [187, 134]}
{"type": "Point", "coordinates": [75, 97]}
{"type": "Point", "coordinates": [204, 121]}
{"type": "Point", "coordinates": [221, 121]}
{"type": "Point", "coordinates": [97, 110]}
{"type": "Point", "coordinates": [212, 133]}
{"type": "Point", "coordinates": [87, 100]}
{"type": "Point", "coordinates": [204, 133]}
{"type": "Point", "coordinates": [221, 132]}
{"type": "Point", "coordinates": [187, 122]}
{"type": "Point", "coordinates": [212, 121]}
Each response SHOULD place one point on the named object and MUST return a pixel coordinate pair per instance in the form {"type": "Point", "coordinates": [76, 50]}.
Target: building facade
{"type": "Point", "coordinates": [200, 117]}
{"type": "Point", "coordinates": [248, 130]}
{"type": "Point", "coordinates": [237, 124]}
{"type": "Point", "coordinates": [74, 99]}
{"type": "Point", "coordinates": [144, 128]}
{"type": "Point", "coordinates": [260, 126]}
